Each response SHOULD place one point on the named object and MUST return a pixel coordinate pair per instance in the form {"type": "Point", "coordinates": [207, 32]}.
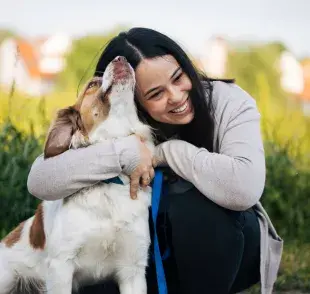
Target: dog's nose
{"type": "Point", "coordinates": [119, 59]}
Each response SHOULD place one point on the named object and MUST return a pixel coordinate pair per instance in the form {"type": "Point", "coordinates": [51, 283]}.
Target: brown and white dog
{"type": "Point", "coordinates": [100, 231]}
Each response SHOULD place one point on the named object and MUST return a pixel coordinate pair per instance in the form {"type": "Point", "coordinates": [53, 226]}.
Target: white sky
{"type": "Point", "coordinates": [189, 22]}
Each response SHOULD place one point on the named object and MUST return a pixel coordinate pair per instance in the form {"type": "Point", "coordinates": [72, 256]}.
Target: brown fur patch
{"type": "Point", "coordinates": [59, 137]}
{"type": "Point", "coordinates": [91, 108]}
{"type": "Point", "coordinates": [37, 234]}
{"type": "Point", "coordinates": [94, 110]}
{"type": "Point", "coordinates": [14, 236]}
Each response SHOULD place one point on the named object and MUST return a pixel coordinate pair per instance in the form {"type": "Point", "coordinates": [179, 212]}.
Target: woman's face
{"type": "Point", "coordinates": [163, 90]}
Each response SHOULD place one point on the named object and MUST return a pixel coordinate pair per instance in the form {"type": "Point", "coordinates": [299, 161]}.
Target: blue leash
{"type": "Point", "coordinates": [156, 195]}
{"type": "Point", "coordinates": [160, 273]}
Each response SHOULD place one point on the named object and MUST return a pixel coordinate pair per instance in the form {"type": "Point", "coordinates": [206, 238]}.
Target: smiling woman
{"type": "Point", "coordinates": [211, 150]}
{"type": "Point", "coordinates": [163, 90]}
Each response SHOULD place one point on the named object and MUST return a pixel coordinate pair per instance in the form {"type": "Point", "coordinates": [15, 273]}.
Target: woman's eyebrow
{"type": "Point", "coordinates": [175, 72]}
{"type": "Point", "coordinates": [155, 88]}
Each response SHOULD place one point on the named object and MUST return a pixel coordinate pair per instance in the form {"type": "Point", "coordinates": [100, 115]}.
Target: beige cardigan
{"type": "Point", "coordinates": [233, 176]}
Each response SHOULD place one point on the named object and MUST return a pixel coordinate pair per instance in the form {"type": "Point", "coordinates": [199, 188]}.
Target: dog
{"type": "Point", "coordinates": [98, 232]}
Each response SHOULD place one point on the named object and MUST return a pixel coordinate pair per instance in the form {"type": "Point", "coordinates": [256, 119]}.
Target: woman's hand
{"type": "Point", "coordinates": [144, 171]}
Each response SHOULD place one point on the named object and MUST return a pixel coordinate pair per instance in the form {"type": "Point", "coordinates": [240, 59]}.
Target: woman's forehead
{"type": "Point", "coordinates": [154, 71]}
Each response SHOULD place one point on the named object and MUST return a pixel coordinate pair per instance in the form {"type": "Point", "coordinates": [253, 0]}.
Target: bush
{"type": "Point", "coordinates": [286, 195]}
{"type": "Point", "coordinates": [17, 152]}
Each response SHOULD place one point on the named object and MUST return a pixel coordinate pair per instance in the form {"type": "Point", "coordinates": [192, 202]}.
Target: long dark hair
{"type": "Point", "coordinates": [139, 43]}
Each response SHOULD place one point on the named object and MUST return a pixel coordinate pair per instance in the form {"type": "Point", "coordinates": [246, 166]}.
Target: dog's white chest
{"type": "Point", "coordinates": [109, 230]}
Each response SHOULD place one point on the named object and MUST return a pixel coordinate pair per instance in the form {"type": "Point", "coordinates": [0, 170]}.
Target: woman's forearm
{"type": "Point", "coordinates": [60, 176]}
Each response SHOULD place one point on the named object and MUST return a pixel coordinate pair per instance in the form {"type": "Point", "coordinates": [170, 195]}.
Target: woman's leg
{"type": "Point", "coordinates": [108, 287]}
{"type": "Point", "coordinates": [249, 271]}
{"type": "Point", "coordinates": [209, 244]}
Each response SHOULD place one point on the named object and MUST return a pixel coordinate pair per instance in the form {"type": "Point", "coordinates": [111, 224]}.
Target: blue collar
{"type": "Point", "coordinates": [115, 180]}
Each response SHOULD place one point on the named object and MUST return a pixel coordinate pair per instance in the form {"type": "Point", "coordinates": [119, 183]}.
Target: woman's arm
{"type": "Point", "coordinates": [60, 176]}
{"type": "Point", "coordinates": [235, 177]}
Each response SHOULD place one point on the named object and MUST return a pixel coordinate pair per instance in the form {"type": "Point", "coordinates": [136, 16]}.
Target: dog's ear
{"type": "Point", "coordinates": [67, 122]}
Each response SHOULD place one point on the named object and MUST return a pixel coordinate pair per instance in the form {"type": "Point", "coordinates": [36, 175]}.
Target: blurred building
{"type": "Point", "coordinates": [292, 77]}
{"type": "Point", "coordinates": [304, 96]}
{"type": "Point", "coordinates": [213, 61]}
{"type": "Point", "coordinates": [33, 65]}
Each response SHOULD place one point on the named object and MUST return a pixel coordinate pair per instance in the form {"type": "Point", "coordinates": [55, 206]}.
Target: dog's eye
{"type": "Point", "coordinates": [93, 84]}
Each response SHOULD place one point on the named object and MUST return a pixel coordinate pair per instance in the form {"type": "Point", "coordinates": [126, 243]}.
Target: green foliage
{"type": "Point", "coordinates": [17, 153]}
{"type": "Point", "coordinates": [294, 273]}
{"type": "Point", "coordinates": [256, 70]}
{"type": "Point", "coordinates": [295, 268]}
{"type": "Point", "coordinates": [286, 195]}
{"type": "Point", "coordinates": [248, 65]}
{"type": "Point", "coordinates": [82, 59]}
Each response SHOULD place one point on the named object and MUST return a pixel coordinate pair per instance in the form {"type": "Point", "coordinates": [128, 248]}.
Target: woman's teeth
{"type": "Point", "coordinates": [181, 108]}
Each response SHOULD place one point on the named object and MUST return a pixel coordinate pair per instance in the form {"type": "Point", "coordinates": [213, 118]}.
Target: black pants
{"type": "Point", "coordinates": [214, 250]}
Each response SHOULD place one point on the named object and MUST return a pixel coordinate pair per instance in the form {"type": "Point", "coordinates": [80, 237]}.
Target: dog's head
{"type": "Point", "coordinates": [104, 109]}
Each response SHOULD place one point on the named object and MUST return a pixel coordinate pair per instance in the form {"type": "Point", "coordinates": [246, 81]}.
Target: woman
{"type": "Point", "coordinates": [208, 131]}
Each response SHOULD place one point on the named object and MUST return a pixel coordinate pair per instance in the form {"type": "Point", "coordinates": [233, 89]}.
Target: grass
{"type": "Point", "coordinates": [295, 268]}
{"type": "Point", "coordinates": [294, 273]}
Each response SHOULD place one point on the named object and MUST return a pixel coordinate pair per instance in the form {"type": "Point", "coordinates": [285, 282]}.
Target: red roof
{"type": "Point", "coordinates": [305, 95]}
{"type": "Point", "coordinates": [29, 55]}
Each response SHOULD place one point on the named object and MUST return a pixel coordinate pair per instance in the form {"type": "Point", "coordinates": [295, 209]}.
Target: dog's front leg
{"type": "Point", "coordinates": [133, 285]}
{"type": "Point", "coordinates": [59, 276]}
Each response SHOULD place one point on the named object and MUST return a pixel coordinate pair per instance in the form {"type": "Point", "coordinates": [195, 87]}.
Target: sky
{"type": "Point", "coordinates": [191, 22]}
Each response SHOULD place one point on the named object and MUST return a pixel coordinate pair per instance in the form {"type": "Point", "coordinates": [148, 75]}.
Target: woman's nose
{"type": "Point", "coordinates": [175, 95]}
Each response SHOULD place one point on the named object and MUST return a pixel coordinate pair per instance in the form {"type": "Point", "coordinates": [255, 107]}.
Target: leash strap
{"type": "Point", "coordinates": [115, 180]}
{"type": "Point", "coordinates": [156, 193]}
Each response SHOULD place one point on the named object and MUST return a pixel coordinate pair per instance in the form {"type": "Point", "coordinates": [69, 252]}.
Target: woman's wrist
{"type": "Point", "coordinates": [159, 158]}
{"type": "Point", "coordinates": [128, 152]}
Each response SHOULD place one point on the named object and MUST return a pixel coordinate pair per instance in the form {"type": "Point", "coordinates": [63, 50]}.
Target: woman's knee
{"type": "Point", "coordinates": [206, 239]}
{"type": "Point", "coordinates": [193, 208]}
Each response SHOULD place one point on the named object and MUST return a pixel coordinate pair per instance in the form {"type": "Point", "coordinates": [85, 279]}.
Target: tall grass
{"type": "Point", "coordinates": [33, 114]}
{"type": "Point", "coordinates": [17, 152]}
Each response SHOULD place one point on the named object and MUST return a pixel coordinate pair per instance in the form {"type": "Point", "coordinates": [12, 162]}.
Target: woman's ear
{"type": "Point", "coordinates": [59, 137]}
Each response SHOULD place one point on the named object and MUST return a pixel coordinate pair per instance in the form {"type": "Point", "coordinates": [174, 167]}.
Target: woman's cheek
{"type": "Point", "coordinates": [156, 108]}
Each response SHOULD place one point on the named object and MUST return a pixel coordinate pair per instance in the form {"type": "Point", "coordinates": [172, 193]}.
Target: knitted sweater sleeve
{"type": "Point", "coordinates": [233, 177]}
{"type": "Point", "coordinates": [60, 176]}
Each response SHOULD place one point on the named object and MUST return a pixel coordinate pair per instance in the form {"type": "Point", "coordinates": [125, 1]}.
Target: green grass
{"type": "Point", "coordinates": [294, 273]}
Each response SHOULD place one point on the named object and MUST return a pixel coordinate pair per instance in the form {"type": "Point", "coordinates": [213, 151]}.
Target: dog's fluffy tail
{"type": "Point", "coordinates": [11, 280]}
{"type": "Point", "coordinates": [7, 277]}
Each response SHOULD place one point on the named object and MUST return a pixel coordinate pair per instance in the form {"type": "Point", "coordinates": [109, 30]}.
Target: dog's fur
{"type": "Point", "coordinates": [98, 232]}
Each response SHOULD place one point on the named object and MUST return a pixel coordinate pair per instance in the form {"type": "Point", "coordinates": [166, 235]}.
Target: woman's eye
{"type": "Point", "coordinates": [156, 95]}
{"type": "Point", "coordinates": [178, 77]}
